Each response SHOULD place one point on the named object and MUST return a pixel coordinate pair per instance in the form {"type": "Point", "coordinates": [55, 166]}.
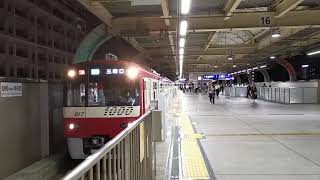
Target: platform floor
{"type": "Point", "coordinates": [241, 140]}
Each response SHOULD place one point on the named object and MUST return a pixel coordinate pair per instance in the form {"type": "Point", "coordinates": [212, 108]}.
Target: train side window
{"type": "Point", "coordinates": [76, 94]}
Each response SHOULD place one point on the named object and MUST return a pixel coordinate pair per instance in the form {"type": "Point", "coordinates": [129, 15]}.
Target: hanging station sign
{"type": "Point", "coordinates": [11, 89]}
{"type": "Point", "coordinates": [217, 77]}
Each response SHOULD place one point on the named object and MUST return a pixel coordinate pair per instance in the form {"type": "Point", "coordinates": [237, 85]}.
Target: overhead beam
{"type": "Point", "coordinates": [99, 10]}
{"type": "Point", "coordinates": [211, 39]}
{"type": "Point", "coordinates": [285, 32]}
{"type": "Point", "coordinates": [285, 6]}
{"type": "Point", "coordinates": [253, 39]}
{"type": "Point", "coordinates": [222, 50]}
{"type": "Point", "coordinates": [230, 7]}
{"type": "Point", "coordinates": [165, 11]}
{"type": "Point", "coordinates": [215, 62]}
{"type": "Point", "coordinates": [239, 21]}
{"type": "Point", "coordinates": [134, 43]}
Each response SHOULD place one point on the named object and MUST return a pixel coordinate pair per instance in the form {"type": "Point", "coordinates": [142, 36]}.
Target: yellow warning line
{"type": "Point", "coordinates": [268, 134]}
{"type": "Point", "coordinates": [193, 164]}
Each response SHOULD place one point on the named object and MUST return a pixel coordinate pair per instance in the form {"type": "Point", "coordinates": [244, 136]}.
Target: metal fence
{"type": "Point", "coordinates": [128, 156]}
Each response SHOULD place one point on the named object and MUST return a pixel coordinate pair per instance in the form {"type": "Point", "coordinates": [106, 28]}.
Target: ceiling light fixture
{"type": "Point", "coordinates": [182, 42]}
{"type": "Point", "coordinates": [181, 51]}
{"type": "Point", "coordinates": [183, 27]}
{"type": "Point", "coordinates": [272, 57]}
{"type": "Point", "coordinates": [264, 66]}
{"type": "Point", "coordinates": [181, 57]}
{"type": "Point", "coordinates": [313, 53]}
{"type": "Point", "coordinates": [275, 32]}
{"type": "Point", "coordinates": [234, 66]}
{"type": "Point", "coordinates": [185, 6]}
{"type": "Point", "coordinates": [305, 65]}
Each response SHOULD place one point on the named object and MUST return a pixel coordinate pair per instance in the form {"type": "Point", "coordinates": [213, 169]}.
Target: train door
{"type": "Point", "coordinates": [146, 93]}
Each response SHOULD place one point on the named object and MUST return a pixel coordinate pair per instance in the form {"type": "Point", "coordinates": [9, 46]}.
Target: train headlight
{"type": "Point", "coordinates": [71, 73]}
{"type": "Point", "coordinates": [132, 72]}
{"type": "Point", "coordinates": [73, 126]}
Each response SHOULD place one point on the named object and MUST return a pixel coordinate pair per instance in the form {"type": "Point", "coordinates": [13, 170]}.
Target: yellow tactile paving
{"type": "Point", "coordinates": [193, 164]}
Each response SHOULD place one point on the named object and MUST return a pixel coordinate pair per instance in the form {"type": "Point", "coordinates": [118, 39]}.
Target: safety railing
{"type": "Point", "coordinates": [128, 156]}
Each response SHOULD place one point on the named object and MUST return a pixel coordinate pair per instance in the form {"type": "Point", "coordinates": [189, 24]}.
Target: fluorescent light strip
{"type": "Point", "coordinates": [276, 35]}
{"type": "Point", "coordinates": [181, 57]}
{"type": "Point", "coordinates": [181, 51]}
{"type": "Point", "coordinates": [183, 27]}
{"type": "Point", "coordinates": [305, 65]}
{"type": "Point", "coordinates": [182, 42]}
{"type": "Point", "coordinates": [263, 66]}
{"type": "Point", "coordinates": [185, 6]}
{"type": "Point", "coordinates": [313, 53]}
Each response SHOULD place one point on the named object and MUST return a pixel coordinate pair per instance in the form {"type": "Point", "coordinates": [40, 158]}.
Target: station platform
{"type": "Point", "coordinates": [236, 139]}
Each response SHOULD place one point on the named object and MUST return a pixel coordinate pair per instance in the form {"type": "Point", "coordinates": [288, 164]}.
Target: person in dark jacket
{"type": "Point", "coordinates": [212, 94]}
{"type": "Point", "coordinates": [254, 93]}
{"type": "Point", "coordinates": [249, 91]}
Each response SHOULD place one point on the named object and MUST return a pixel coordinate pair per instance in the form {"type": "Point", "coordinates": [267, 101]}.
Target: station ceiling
{"type": "Point", "coordinates": [217, 30]}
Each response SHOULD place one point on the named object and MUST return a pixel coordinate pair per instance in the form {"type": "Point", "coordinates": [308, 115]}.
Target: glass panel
{"type": "Point", "coordinates": [114, 91]}
{"type": "Point", "coordinates": [76, 93]}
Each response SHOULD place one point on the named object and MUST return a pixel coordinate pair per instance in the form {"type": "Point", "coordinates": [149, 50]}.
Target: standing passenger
{"type": "Point", "coordinates": [212, 94]}
{"type": "Point", "coordinates": [254, 93]}
{"type": "Point", "coordinates": [248, 91]}
{"type": "Point", "coordinates": [217, 89]}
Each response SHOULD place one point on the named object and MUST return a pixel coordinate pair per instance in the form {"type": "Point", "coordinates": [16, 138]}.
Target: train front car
{"type": "Point", "coordinates": [102, 98]}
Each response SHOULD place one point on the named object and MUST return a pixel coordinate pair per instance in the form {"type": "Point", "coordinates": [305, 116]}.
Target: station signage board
{"type": "Point", "coordinates": [217, 77]}
{"type": "Point", "coordinates": [9, 89]}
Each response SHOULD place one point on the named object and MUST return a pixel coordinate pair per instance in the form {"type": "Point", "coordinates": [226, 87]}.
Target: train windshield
{"type": "Point", "coordinates": [117, 91]}
{"type": "Point", "coordinates": [102, 91]}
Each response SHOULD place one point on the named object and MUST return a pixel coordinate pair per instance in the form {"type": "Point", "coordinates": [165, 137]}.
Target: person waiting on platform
{"type": "Point", "coordinates": [212, 94]}
{"type": "Point", "coordinates": [249, 91]}
{"type": "Point", "coordinates": [217, 88]}
{"type": "Point", "coordinates": [254, 93]}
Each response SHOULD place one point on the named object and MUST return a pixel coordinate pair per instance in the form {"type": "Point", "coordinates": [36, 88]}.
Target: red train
{"type": "Point", "coordinates": [103, 98]}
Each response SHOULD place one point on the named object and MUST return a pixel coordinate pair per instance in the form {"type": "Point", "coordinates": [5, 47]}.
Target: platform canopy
{"type": "Point", "coordinates": [221, 33]}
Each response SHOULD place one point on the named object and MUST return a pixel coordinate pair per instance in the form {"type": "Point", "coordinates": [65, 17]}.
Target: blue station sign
{"type": "Point", "coordinates": [217, 77]}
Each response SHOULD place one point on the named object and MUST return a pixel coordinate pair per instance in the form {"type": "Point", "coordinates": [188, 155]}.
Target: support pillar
{"type": "Point", "coordinates": [36, 64]}
{"type": "Point", "coordinates": [7, 64]}
{"type": "Point", "coordinates": [249, 78]}
{"type": "Point", "coordinates": [30, 66]}
{"type": "Point", "coordinates": [47, 64]}
{"type": "Point", "coordinates": [14, 21]}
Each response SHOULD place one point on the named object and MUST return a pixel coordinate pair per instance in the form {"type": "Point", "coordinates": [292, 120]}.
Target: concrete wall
{"type": "Point", "coordinates": [24, 128]}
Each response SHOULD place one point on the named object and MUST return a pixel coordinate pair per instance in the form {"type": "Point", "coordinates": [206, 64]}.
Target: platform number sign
{"type": "Point", "coordinates": [265, 20]}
